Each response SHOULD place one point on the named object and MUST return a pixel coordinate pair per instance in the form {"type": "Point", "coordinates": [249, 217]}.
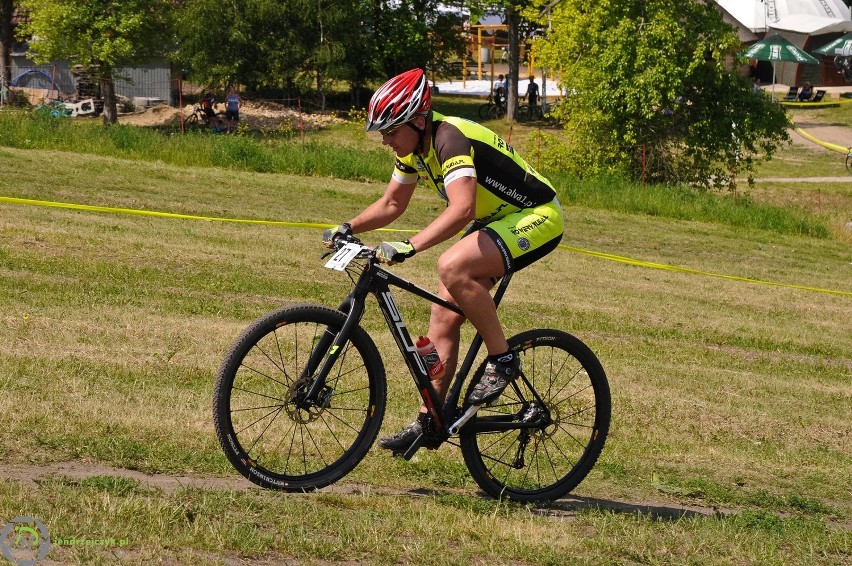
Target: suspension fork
{"type": "Point", "coordinates": [330, 345]}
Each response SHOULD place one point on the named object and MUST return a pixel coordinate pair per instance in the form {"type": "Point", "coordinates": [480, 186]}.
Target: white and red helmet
{"type": "Point", "coordinates": [399, 100]}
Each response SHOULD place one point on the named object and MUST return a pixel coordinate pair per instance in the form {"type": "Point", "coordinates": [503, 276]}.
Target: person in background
{"type": "Point", "coordinates": [208, 104]}
{"type": "Point", "coordinates": [500, 90]}
{"type": "Point", "coordinates": [232, 109]}
{"type": "Point", "coordinates": [807, 92]}
{"type": "Point", "coordinates": [532, 94]}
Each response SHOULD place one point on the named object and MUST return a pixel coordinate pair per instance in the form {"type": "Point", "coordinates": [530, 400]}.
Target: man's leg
{"type": "Point", "coordinates": [445, 325]}
{"type": "Point", "coordinates": [466, 270]}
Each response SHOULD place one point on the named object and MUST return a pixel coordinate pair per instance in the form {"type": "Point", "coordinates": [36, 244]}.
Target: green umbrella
{"type": "Point", "coordinates": [777, 48]}
{"type": "Point", "coordinates": [840, 46]}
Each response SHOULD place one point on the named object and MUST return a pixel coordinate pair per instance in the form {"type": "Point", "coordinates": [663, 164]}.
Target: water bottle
{"type": "Point", "coordinates": [427, 352]}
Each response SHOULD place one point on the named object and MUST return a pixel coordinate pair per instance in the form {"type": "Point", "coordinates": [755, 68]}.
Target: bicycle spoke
{"type": "Point", "coordinates": [560, 394]}
{"type": "Point", "coordinates": [290, 433]}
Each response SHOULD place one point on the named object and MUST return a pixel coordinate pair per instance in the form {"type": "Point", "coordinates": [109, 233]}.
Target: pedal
{"type": "Point", "coordinates": [415, 446]}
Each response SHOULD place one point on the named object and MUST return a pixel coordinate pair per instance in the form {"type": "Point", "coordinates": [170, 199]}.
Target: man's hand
{"type": "Point", "coordinates": [332, 234]}
{"type": "Point", "coordinates": [394, 252]}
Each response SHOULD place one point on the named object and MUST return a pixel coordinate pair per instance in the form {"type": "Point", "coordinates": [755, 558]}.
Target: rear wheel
{"type": "Point", "coordinates": [563, 396]}
{"type": "Point", "coordinates": [270, 432]}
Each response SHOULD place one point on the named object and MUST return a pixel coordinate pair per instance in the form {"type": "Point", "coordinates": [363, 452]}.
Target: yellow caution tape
{"type": "Point", "coordinates": [831, 146]}
{"type": "Point", "coordinates": [602, 255]}
{"type": "Point", "coordinates": [666, 267]}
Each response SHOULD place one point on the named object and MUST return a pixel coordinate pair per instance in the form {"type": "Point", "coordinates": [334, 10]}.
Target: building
{"type": "Point", "coordinates": [808, 24]}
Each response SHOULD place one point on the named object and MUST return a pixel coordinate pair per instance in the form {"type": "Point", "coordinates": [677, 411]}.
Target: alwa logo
{"type": "Point", "coordinates": [24, 541]}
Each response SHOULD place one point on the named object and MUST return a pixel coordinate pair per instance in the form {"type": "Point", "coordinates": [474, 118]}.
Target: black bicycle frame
{"type": "Point", "coordinates": [378, 281]}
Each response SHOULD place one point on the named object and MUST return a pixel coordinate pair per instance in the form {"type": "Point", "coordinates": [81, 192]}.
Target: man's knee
{"type": "Point", "coordinates": [449, 268]}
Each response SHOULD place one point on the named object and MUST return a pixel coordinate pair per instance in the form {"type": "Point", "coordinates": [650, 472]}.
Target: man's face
{"type": "Point", "coordinates": [403, 139]}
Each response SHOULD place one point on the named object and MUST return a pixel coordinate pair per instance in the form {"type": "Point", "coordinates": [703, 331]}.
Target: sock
{"type": "Point", "coordinates": [504, 358]}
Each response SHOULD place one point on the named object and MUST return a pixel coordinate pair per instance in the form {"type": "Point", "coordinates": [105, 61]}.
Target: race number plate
{"type": "Point", "coordinates": [343, 256]}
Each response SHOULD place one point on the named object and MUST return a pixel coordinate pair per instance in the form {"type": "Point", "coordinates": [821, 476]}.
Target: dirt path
{"type": "Point", "coordinates": [32, 476]}
{"type": "Point", "coordinates": [257, 115]}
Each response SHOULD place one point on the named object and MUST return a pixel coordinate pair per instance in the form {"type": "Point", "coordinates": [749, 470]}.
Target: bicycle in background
{"type": "Point", "coordinates": [199, 121]}
{"type": "Point", "coordinates": [493, 109]}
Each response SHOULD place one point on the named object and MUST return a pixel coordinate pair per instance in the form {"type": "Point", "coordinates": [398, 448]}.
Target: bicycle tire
{"type": "Point", "coordinates": [265, 436]}
{"type": "Point", "coordinates": [573, 386]}
{"type": "Point", "coordinates": [496, 112]}
{"type": "Point", "coordinates": [484, 110]}
{"type": "Point", "coordinates": [190, 123]}
{"type": "Point", "coordinates": [535, 113]}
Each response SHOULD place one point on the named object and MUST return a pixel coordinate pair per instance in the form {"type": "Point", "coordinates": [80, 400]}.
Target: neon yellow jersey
{"type": "Point", "coordinates": [505, 183]}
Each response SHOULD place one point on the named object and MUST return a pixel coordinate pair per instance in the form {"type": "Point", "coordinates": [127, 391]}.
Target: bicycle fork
{"type": "Point", "coordinates": [326, 352]}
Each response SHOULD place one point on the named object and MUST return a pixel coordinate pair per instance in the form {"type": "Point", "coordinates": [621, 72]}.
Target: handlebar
{"type": "Point", "coordinates": [338, 243]}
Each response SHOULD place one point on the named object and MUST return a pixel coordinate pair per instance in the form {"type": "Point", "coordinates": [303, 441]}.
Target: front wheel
{"type": "Point", "coordinates": [544, 434]}
{"type": "Point", "coordinates": [191, 123]}
{"type": "Point", "coordinates": [269, 429]}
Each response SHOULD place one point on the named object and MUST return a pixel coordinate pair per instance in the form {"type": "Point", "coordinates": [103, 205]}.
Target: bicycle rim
{"type": "Point", "coordinates": [545, 463]}
{"type": "Point", "coordinates": [265, 434]}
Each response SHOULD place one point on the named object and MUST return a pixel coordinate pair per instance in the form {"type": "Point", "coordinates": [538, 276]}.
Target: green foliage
{"type": "Point", "coordinates": [618, 193]}
{"type": "Point", "coordinates": [304, 45]}
{"type": "Point", "coordinates": [281, 153]}
{"type": "Point", "coordinates": [98, 35]}
{"type": "Point", "coordinates": [650, 95]}
{"type": "Point", "coordinates": [122, 33]}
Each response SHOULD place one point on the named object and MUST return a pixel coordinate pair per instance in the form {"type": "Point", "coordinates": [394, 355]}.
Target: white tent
{"type": "Point", "coordinates": [811, 17]}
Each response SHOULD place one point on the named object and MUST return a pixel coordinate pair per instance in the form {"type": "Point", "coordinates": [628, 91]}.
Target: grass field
{"type": "Point", "coordinates": [730, 442]}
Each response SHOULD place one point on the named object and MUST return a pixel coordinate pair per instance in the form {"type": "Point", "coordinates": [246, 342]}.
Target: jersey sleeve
{"type": "Point", "coordinates": [405, 170]}
{"type": "Point", "coordinates": [454, 152]}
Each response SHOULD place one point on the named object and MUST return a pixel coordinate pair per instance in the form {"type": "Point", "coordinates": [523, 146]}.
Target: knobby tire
{"type": "Point", "coordinates": [265, 434]}
{"type": "Point", "coordinates": [571, 382]}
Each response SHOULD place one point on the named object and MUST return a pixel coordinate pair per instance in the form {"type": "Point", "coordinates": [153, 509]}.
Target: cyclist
{"type": "Point", "coordinates": [207, 105]}
{"type": "Point", "coordinates": [501, 91]}
{"type": "Point", "coordinates": [511, 212]}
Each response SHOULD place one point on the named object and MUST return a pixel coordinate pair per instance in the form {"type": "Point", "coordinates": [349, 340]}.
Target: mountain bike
{"type": "Point", "coordinates": [300, 396]}
{"type": "Point", "coordinates": [200, 121]}
{"type": "Point", "coordinates": [493, 109]}
{"type": "Point", "coordinates": [527, 112]}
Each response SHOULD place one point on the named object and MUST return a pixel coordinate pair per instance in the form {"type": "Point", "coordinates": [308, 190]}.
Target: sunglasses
{"type": "Point", "coordinates": [391, 131]}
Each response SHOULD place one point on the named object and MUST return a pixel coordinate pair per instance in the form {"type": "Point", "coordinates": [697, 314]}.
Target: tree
{"type": "Point", "coordinates": [312, 44]}
{"type": "Point", "coordinates": [515, 14]}
{"type": "Point", "coordinates": [651, 93]}
{"type": "Point", "coordinates": [101, 34]}
{"type": "Point", "coordinates": [7, 8]}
